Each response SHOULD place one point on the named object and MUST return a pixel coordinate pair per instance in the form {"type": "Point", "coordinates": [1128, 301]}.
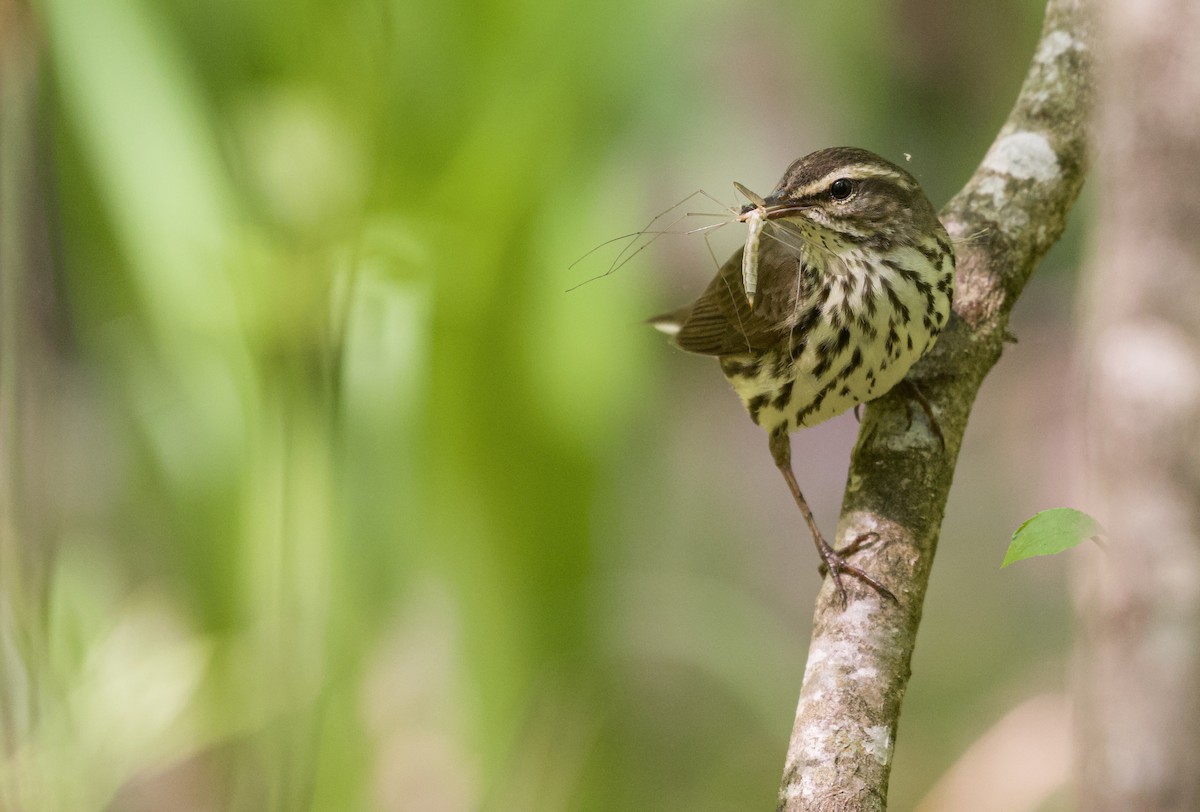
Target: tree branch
{"type": "Point", "coordinates": [1003, 221]}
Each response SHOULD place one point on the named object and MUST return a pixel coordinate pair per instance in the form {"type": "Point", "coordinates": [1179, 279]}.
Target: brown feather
{"type": "Point", "coordinates": [722, 322]}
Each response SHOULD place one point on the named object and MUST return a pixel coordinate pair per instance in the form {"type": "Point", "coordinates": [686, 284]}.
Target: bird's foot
{"type": "Point", "coordinates": [835, 563]}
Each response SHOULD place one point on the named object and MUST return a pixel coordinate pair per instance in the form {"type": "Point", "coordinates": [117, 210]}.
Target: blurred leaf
{"type": "Point", "coordinates": [114, 694]}
{"type": "Point", "coordinates": [140, 118]}
{"type": "Point", "coordinates": [306, 167]}
{"type": "Point", "coordinates": [1050, 532]}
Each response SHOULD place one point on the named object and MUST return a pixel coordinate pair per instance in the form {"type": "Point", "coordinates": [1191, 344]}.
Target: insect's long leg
{"type": "Point", "coordinates": [616, 267]}
{"type": "Point", "coordinates": [788, 236]}
{"type": "Point", "coordinates": [731, 209]}
{"type": "Point", "coordinates": [617, 262]}
{"type": "Point", "coordinates": [632, 236]}
{"type": "Point", "coordinates": [970, 238]}
{"type": "Point", "coordinates": [712, 253]}
{"type": "Point", "coordinates": [700, 230]}
{"type": "Point", "coordinates": [625, 255]}
{"type": "Point", "coordinates": [737, 311]}
{"type": "Point", "coordinates": [795, 313]}
{"type": "Point", "coordinates": [793, 240]}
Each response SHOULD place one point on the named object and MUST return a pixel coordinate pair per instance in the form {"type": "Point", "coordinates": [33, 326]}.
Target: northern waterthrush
{"type": "Point", "coordinates": [854, 276]}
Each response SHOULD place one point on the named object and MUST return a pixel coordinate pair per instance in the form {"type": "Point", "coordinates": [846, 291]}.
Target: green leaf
{"type": "Point", "coordinates": [1049, 532]}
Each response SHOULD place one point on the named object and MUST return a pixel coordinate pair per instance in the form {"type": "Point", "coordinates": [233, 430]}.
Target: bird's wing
{"type": "Point", "coordinates": [721, 321]}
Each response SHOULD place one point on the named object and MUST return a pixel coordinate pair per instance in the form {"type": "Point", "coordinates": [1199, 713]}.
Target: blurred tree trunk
{"type": "Point", "coordinates": [31, 375]}
{"type": "Point", "coordinates": [1139, 602]}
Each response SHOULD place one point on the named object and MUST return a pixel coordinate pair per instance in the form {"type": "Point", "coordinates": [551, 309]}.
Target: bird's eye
{"type": "Point", "coordinates": [841, 189]}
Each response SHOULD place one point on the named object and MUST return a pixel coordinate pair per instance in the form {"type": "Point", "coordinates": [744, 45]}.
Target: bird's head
{"type": "Point", "coordinates": [849, 195]}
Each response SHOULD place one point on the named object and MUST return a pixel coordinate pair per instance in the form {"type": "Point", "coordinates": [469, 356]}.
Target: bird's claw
{"type": "Point", "coordinates": [835, 563]}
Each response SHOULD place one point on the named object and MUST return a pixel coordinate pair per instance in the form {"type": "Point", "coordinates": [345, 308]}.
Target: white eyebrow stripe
{"type": "Point", "coordinates": [855, 172]}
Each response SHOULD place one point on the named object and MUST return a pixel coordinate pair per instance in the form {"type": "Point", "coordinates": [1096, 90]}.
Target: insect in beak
{"type": "Point", "coordinates": [753, 216]}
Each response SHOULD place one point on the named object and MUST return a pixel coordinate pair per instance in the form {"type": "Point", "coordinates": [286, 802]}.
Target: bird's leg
{"type": "Point", "coordinates": [835, 561]}
{"type": "Point", "coordinates": [916, 394]}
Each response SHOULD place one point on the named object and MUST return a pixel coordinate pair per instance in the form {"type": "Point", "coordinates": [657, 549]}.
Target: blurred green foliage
{"type": "Point", "coordinates": [320, 492]}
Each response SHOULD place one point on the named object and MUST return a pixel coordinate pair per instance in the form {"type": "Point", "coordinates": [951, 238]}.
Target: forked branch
{"type": "Point", "coordinates": [1004, 220]}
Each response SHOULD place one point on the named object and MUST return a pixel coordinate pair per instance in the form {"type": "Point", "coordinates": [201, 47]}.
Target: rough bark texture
{"type": "Point", "coordinates": [1138, 686]}
{"type": "Point", "coordinates": [1009, 214]}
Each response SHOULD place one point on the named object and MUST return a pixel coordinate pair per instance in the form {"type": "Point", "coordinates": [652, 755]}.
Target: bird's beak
{"type": "Point", "coordinates": [777, 206]}
{"type": "Point", "coordinates": [772, 207]}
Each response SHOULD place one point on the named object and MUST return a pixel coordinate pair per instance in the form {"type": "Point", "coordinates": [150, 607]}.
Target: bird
{"type": "Point", "coordinates": [851, 285]}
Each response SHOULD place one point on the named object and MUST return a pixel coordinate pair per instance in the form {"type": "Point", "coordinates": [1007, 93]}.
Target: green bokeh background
{"type": "Point", "coordinates": [321, 493]}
